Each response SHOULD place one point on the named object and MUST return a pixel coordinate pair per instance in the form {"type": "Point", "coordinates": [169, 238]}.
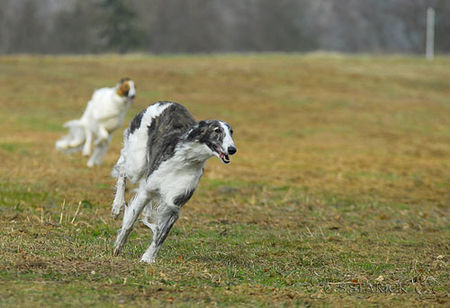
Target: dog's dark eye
{"type": "Point", "coordinates": [217, 130]}
{"type": "Point", "coordinates": [231, 132]}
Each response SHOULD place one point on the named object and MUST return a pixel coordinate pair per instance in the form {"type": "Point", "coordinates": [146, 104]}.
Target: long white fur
{"type": "Point", "coordinates": [104, 114]}
{"type": "Point", "coordinates": [136, 146]}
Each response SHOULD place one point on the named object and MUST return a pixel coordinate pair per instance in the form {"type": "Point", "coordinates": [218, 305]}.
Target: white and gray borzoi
{"type": "Point", "coordinates": [104, 114]}
{"type": "Point", "coordinates": [164, 152]}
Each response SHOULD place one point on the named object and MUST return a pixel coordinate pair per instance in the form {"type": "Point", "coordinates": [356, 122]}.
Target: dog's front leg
{"type": "Point", "coordinates": [131, 214]}
{"type": "Point", "coordinates": [166, 220]}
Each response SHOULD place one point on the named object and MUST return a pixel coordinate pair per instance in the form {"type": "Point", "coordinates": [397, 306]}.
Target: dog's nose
{"type": "Point", "coordinates": [132, 96]}
{"type": "Point", "coordinates": [231, 150]}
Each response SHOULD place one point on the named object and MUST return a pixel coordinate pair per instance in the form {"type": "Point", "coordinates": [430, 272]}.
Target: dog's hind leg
{"type": "Point", "coordinates": [76, 135]}
{"type": "Point", "coordinates": [73, 139]}
{"type": "Point", "coordinates": [119, 167]}
{"type": "Point", "coordinates": [166, 218]}
{"type": "Point", "coordinates": [119, 172]}
{"type": "Point", "coordinates": [129, 218]}
{"type": "Point", "coordinates": [119, 198]}
{"type": "Point", "coordinates": [87, 143]}
{"type": "Point", "coordinates": [103, 134]}
{"type": "Point", "coordinates": [104, 148]}
{"type": "Point", "coordinates": [99, 152]}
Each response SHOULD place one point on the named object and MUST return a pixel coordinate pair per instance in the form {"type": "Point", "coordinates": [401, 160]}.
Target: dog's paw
{"type": "Point", "coordinates": [115, 213]}
{"type": "Point", "coordinates": [116, 251]}
{"type": "Point", "coordinates": [117, 208]}
{"type": "Point", "coordinates": [145, 259]}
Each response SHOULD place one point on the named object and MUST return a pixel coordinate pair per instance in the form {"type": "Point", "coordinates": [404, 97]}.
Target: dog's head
{"type": "Point", "coordinates": [126, 88]}
{"type": "Point", "coordinates": [217, 136]}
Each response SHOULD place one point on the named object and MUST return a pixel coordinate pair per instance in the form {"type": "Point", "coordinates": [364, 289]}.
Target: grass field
{"type": "Point", "coordinates": [339, 192]}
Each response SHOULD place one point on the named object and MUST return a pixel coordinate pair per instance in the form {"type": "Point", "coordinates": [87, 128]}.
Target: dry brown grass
{"type": "Point", "coordinates": [339, 191]}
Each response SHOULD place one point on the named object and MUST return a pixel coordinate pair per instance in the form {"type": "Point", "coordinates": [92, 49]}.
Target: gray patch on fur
{"type": "Point", "coordinates": [182, 199]}
{"type": "Point", "coordinates": [136, 122]}
{"type": "Point", "coordinates": [165, 132]}
{"type": "Point", "coordinates": [164, 232]}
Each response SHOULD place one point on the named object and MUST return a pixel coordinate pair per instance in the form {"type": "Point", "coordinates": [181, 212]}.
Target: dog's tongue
{"type": "Point", "coordinates": [224, 158]}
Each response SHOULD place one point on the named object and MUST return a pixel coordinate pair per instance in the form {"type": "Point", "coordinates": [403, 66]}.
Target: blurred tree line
{"type": "Point", "coordinates": [175, 26]}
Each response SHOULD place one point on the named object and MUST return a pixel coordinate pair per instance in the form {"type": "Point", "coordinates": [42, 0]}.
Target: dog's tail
{"type": "Point", "coordinates": [74, 139]}
{"type": "Point", "coordinates": [73, 123]}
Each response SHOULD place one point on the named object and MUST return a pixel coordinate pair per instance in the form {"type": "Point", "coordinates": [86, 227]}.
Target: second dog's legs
{"type": "Point", "coordinates": [100, 149]}
{"type": "Point", "coordinates": [87, 142]}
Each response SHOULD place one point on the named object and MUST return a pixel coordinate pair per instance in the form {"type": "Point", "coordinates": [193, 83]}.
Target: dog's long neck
{"type": "Point", "coordinates": [193, 153]}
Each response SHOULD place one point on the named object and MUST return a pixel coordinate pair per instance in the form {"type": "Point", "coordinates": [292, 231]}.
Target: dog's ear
{"type": "Point", "coordinates": [123, 89]}
{"type": "Point", "coordinates": [196, 131]}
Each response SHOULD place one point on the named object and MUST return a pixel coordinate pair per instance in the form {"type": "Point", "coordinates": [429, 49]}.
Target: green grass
{"type": "Point", "coordinates": [338, 195]}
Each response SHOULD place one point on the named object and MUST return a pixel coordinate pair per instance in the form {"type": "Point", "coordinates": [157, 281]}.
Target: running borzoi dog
{"type": "Point", "coordinates": [164, 152]}
{"type": "Point", "coordinates": [104, 114]}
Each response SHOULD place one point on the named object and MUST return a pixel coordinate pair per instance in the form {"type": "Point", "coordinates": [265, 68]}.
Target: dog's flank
{"type": "Point", "coordinates": [104, 114]}
{"type": "Point", "coordinates": [164, 151]}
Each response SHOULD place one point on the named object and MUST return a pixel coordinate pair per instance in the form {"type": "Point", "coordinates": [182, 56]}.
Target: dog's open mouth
{"type": "Point", "coordinates": [224, 157]}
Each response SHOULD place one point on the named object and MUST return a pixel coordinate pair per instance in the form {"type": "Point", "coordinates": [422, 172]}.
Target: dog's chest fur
{"type": "Point", "coordinates": [175, 179]}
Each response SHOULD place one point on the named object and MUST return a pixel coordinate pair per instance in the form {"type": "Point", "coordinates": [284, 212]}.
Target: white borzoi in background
{"type": "Point", "coordinates": [164, 152]}
{"type": "Point", "coordinates": [104, 114]}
